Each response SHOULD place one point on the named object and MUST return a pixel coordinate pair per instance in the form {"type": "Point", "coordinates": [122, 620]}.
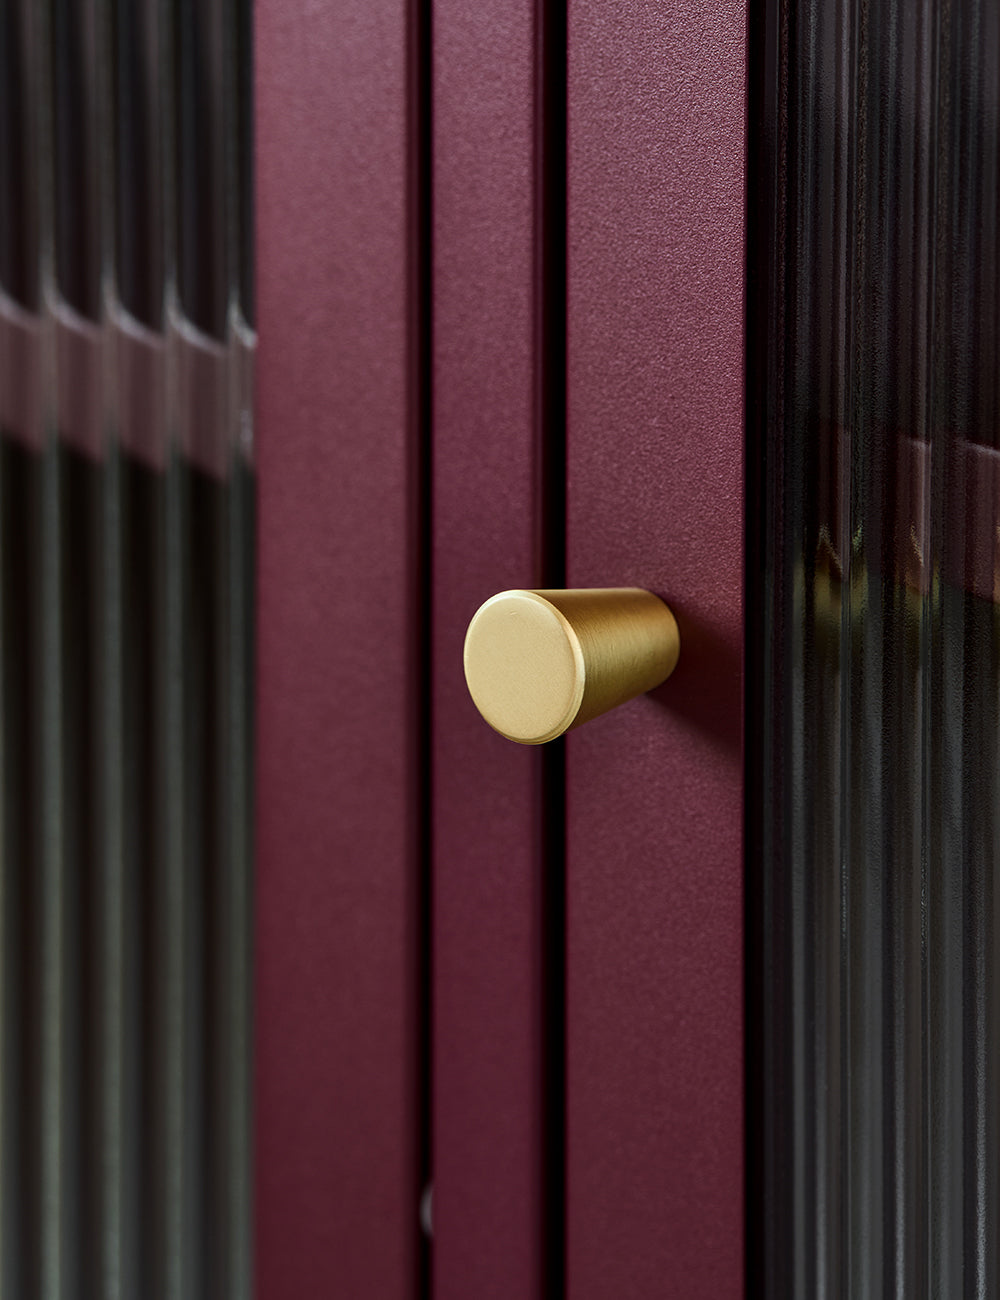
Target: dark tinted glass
{"type": "Point", "coordinates": [126, 541]}
{"type": "Point", "coordinates": [876, 818]}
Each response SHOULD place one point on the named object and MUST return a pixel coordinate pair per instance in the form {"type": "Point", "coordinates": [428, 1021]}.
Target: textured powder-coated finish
{"type": "Point", "coordinates": [487, 987]}
{"type": "Point", "coordinates": [336, 977]}
{"type": "Point", "coordinates": [654, 869]}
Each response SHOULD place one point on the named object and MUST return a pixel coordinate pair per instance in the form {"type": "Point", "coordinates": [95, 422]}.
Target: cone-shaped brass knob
{"type": "Point", "coordinates": [540, 662]}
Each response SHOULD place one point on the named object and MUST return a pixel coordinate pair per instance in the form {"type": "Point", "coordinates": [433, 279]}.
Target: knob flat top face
{"type": "Point", "coordinates": [524, 667]}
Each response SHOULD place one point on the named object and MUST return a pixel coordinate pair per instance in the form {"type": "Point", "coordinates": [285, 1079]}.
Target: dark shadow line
{"type": "Point", "coordinates": [767, 1235]}
{"type": "Point", "coordinates": [550, 439]}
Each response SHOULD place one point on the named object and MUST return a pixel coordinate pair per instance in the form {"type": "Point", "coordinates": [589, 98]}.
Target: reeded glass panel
{"type": "Point", "coordinates": [879, 234]}
{"type": "Point", "coordinates": [125, 638]}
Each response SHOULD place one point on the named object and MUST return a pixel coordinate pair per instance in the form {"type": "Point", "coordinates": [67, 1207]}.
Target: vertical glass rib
{"type": "Point", "coordinates": [18, 559]}
{"type": "Point", "coordinates": [48, 940]}
{"type": "Point", "coordinates": [110, 1109]}
{"type": "Point", "coordinates": [114, 1109]}
{"type": "Point", "coordinates": [143, 523]}
{"type": "Point", "coordinates": [22, 481]}
{"type": "Point", "coordinates": [237, 903]}
{"type": "Point", "coordinates": [198, 323]}
{"type": "Point", "coordinates": [137, 77]}
{"type": "Point", "coordinates": [79, 342]}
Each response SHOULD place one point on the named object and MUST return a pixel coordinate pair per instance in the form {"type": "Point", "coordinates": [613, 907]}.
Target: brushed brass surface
{"type": "Point", "coordinates": [539, 663]}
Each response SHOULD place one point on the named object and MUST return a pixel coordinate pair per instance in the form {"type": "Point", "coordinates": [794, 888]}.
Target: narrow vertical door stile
{"type": "Point", "coordinates": [497, 285]}
{"type": "Point", "coordinates": [654, 791]}
{"type": "Point", "coordinates": [340, 844]}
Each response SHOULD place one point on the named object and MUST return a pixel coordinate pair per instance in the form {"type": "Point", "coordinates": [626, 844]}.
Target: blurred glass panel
{"type": "Point", "coordinates": [880, 830]}
{"type": "Point", "coordinates": [125, 625]}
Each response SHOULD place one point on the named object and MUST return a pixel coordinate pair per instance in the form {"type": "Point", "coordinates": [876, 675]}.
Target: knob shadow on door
{"type": "Point", "coordinates": [539, 663]}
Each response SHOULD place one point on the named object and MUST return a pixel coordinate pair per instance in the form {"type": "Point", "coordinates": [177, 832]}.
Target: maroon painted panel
{"type": "Point", "coordinates": [336, 987]}
{"type": "Point", "coordinates": [654, 870]}
{"type": "Point", "coordinates": [487, 1004]}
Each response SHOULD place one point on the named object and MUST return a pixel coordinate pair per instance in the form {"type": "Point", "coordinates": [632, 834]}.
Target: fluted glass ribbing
{"type": "Point", "coordinates": [125, 626]}
{"type": "Point", "coordinates": [881, 840]}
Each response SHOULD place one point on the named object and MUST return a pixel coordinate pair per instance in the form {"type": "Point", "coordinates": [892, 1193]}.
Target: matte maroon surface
{"type": "Point", "coordinates": [487, 990]}
{"type": "Point", "coordinates": [336, 1124]}
{"type": "Point", "coordinates": [655, 434]}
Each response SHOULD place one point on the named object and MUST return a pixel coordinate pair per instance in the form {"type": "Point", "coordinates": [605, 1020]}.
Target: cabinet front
{"type": "Point", "coordinates": [501, 282]}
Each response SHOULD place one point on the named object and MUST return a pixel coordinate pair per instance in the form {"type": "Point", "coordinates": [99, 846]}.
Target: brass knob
{"type": "Point", "coordinates": [540, 662]}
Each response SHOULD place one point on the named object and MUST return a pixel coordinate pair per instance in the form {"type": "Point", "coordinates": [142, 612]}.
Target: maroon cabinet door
{"type": "Point", "coordinates": [500, 258]}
